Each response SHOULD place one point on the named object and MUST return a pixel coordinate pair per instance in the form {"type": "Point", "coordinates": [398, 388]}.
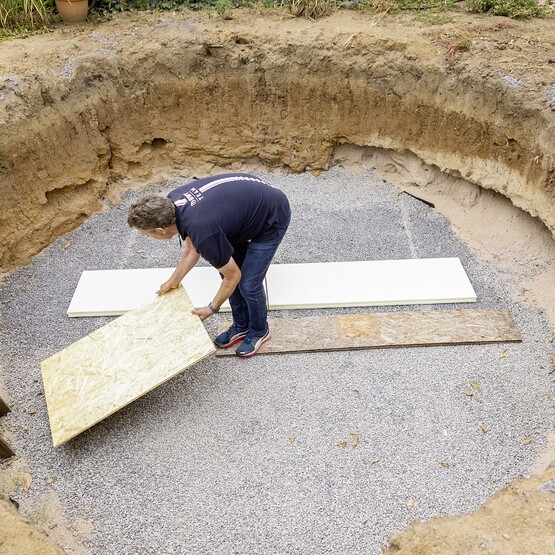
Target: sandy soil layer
{"type": "Point", "coordinates": [474, 98]}
{"type": "Point", "coordinates": [516, 522]}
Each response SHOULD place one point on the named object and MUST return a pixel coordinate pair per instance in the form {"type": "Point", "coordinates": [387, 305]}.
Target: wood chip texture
{"type": "Point", "coordinates": [388, 329]}
{"type": "Point", "coordinates": [118, 363]}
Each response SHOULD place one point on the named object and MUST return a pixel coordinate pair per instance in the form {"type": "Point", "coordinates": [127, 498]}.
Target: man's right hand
{"type": "Point", "coordinates": [167, 286]}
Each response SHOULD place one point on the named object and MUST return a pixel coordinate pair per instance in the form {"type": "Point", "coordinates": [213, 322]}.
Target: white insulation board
{"type": "Point", "coordinates": [289, 286]}
{"type": "Point", "coordinates": [114, 292]}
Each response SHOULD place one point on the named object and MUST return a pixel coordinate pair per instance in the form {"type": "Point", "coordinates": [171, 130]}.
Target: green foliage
{"type": "Point", "coordinates": [271, 4]}
{"type": "Point", "coordinates": [223, 8]}
{"type": "Point", "coordinates": [524, 9]}
{"type": "Point", "coordinates": [220, 6]}
{"type": "Point", "coordinates": [395, 6]}
{"type": "Point", "coordinates": [20, 16]}
{"type": "Point", "coordinates": [422, 4]}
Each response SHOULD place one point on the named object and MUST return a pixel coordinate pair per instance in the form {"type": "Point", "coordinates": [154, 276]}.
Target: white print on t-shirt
{"type": "Point", "coordinates": [195, 195]}
{"type": "Point", "coordinates": [223, 180]}
{"type": "Point", "coordinates": [192, 197]}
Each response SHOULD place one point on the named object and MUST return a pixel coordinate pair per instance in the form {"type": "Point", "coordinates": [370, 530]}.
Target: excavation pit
{"type": "Point", "coordinates": [248, 457]}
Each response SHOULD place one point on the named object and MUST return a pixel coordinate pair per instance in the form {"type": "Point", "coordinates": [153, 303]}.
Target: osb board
{"type": "Point", "coordinates": [118, 363]}
{"type": "Point", "coordinates": [290, 286]}
{"type": "Point", "coordinates": [388, 329]}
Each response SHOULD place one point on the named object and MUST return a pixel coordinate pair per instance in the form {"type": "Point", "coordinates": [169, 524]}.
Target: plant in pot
{"type": "Point", "coordinates": [73, 11]}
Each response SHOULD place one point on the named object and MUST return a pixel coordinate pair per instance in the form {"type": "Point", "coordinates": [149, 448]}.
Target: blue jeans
{"type": "Point", "coordinates": [248, 301]}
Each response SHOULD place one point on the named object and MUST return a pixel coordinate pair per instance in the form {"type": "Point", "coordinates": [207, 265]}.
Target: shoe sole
{"type": "Point", "coordinates": [257, 349]}
{"type": "Point", "coordinates": [232, 342]}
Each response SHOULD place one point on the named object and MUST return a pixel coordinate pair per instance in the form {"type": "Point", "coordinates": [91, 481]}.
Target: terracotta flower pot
{"type": "Point", "coordinates": [73, 11]}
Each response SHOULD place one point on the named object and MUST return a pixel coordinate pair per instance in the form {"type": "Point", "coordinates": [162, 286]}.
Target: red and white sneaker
{"type": "Point", "coordinates": [229, 337]}
{"type": "Point", "coordinates": [251, 344]}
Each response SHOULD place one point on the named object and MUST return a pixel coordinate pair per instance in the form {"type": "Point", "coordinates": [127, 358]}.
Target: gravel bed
{"type": "Point", "coordinates": [248, 456]}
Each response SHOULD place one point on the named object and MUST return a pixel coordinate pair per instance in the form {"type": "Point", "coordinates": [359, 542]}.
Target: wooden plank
{"type": "Point", "coordinates": [290, 286]}
{"type": "Point", "coordinates": [4, 408]}
{"type": "Point", "coordinates": [5, 450]}
{"type": "Point", "coordinates": [118, 363]}
{"type": "Point", "coordinates": [388, 329]}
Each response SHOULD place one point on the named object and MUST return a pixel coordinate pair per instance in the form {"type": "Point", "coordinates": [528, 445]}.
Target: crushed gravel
{"type": "Point", "coordinates": [248, 456]}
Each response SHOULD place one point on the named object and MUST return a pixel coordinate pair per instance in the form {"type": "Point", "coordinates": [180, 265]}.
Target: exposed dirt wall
{"type": "Point", "coordinates": [515, 521]}
{"type": "Point", "coordinates": [122, 102]}
{"type": "Point", "coordinates": [18, 537]}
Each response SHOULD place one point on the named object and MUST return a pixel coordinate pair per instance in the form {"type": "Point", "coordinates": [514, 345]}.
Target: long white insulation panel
{"type": "Point", "coordinates": [289, 286]}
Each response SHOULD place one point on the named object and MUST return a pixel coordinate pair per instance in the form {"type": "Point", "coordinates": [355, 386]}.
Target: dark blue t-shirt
{"type": "Point", "coordinates": [220, 211]}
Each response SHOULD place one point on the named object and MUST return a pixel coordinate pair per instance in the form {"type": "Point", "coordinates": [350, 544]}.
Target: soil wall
{"type": "Point", "coordinates": [125, 104]}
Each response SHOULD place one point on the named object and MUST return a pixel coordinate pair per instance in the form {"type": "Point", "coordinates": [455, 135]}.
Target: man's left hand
{"type": "Point", "coordinates": [203, 312]}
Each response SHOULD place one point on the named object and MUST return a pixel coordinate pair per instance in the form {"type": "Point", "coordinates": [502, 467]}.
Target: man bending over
{"type": "Point", "coordinates": [235, 222]}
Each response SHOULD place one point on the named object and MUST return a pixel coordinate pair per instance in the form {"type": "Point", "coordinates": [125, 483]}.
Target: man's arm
{"type": "Point", "coordinates": [232, 276]}
{"type": "Point", "coordinates": [188, 261]}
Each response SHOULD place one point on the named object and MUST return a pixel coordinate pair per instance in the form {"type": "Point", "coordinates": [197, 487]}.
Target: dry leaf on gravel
{"type": "Point", "coordinates": [503, 353]}
{"type": "Point", "coordinates": [291, 440]}
{"type": "Point", "coordinates": [476, 386]}
{"type": "Point", "coordinates": [50, 480]}
{"type": "Point", "coordinates": [342, 444]}
{"type": "Point", "coordinates": [484, 427]}
{"type": "Point", "coordinates": [445, 464]}
{"type": "Point", "coordinates": [410, 503]}
{"type": "Point", "coordinates": [527, 441]}
{"type": "Point", "coordinates": [26, 481]}
{"type": "Point", "coordinates": [355, 435]}
{"type": "Point", "coordinates": [468, 393]}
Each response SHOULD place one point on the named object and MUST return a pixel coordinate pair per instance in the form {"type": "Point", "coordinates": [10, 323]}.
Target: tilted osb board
{"type": "Point", "coordinates": [118, 363]}
{"type": "Point", "coordinates": [388, 329]}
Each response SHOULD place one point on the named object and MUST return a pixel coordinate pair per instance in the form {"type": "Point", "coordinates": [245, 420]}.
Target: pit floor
{"type": "Point", "coordinates": [244, 456]}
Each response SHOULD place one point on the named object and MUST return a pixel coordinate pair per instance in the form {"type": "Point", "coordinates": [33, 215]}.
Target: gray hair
{"type": "Point", "coordinates": [151, 212]}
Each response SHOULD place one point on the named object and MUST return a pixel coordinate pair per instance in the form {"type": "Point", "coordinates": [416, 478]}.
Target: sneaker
{"type": "Point", "coordinates": [251, 344]}
{"type": "Point", "coordinates": [229, 337]}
